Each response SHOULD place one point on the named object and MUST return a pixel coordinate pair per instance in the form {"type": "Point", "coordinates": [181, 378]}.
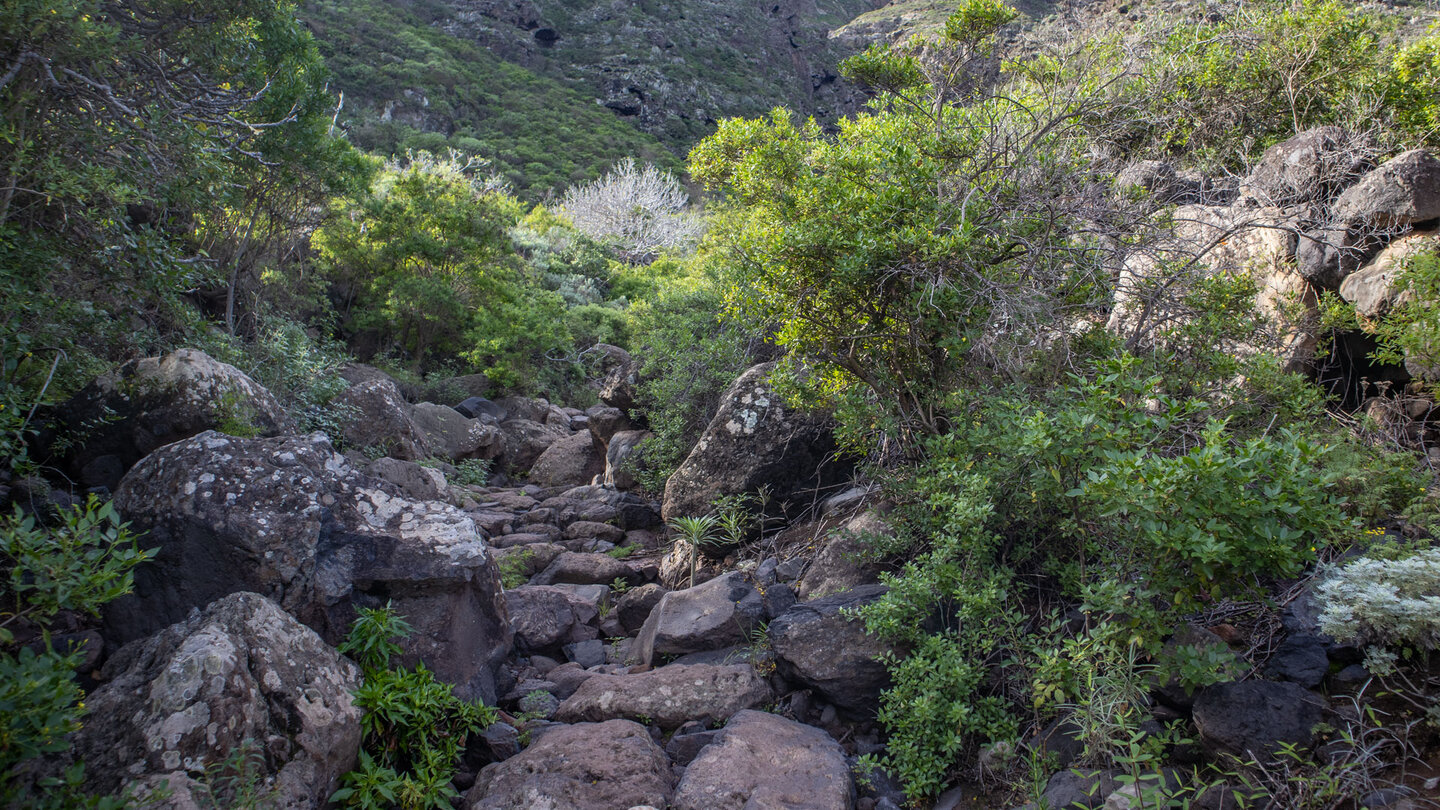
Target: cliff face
{"type": "Point", "coordinates": [672, 67]}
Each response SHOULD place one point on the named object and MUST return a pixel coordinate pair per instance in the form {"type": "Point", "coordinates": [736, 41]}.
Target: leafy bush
{"type": "Point", "coordinates": [415, 728]}
{"type": "Point", "coordinates": [82, 562]}
{"type": "Point", "coordinates": [1387, 603]}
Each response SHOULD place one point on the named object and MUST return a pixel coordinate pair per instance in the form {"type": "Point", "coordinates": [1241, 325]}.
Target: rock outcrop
{"type": "Point", "coordinates": [669, 696]}
{"type": "Point", "coordinates": [291, 519]}
{"type": "Point", "coordinates": [763, 760]}
{"type": "Point", "coordinates": [817, 644]}
{"type": "Point", "coordinates": [613, 764]}
{"type": "Point", "coordinates": [241, 673]}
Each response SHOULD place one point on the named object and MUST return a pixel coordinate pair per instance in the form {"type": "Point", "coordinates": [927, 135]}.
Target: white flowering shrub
{"type": "Point", "coordinates": [1384, 603]}
{"type": "Point", "coordinates": [640, 210]}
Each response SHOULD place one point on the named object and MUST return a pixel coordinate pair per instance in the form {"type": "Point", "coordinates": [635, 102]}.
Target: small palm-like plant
{"type": "Point", "coordinates": [698, 532]}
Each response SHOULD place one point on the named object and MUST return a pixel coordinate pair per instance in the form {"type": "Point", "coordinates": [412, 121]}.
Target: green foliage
{"type": "Point", "coordinates": [85, 560]}
{"type": "Point", "coordinates": [515, 569]}
{"type": "Point", "coordinates": [473, 472]}
{"type": "Point", "coordinates": [542, 135]}
{"type": "Point", "coordinates": [1412, 88]}
{"type": "Point", "coordinates": [1411, 331]}
{"type": "Point", "coordinates": [414, 726]}
{"type": "Point", "coordinates": [698, 533]}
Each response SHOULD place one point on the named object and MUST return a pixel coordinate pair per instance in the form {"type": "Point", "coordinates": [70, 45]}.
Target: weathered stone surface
{"type": "Point", "coordinates": [381, 420]}
{"type": "Point", "coordinates": [452, 435]}
{"type": "Point", "coordinates": [1403, 191]}
{"type": "Point", "coordinates": [1301, 659]}
{"type": "Point", "coordinates": [668, 696]}
{"type": "Point", "coordinates": [710, 616]}
{"type": "Point", "coordinates": [765, 761]}
{"type": "Point", "coordinates": [571, 461]}
{"type": "Point", "coordinates": [754, 441]}
{"type": "Point", "coordinates": [843, 561]}
{"type": "Point", "coordinates": [242, 672]}
{"type": "Point", "coordinates": [585, 569]}
{"type": "Point", "coordinates": [1329, 255]}
{"type": "Point", "coordinates": [618, 388]}
{"type": "Point", "coordinates": [543, 617]}
{"type": "Point", "coordinates": [1161, 181]}
{"type": "Point", "coordinates": [420, 483]}
{"type": "Point", "coordinates": [590, 530]}
{"type": "Point", "coordinates": [604, 422]}
{"type": "Point", "coordinates": [1255, 717]}
{"type": "Point", "coordinates": [817, 645]}
{"type": "Point", "coordinates": [481, 408]}
{"type": "Point", "coordinates": [1373, 288]}
{"type": "Point", "coordinates": [531, 558]}
{"type": "Point", "coordinates": [620, 457]}
{"type": "Point", "coordinates": [148, 403]}
{"type": "Point", "coordinates": [525, 441]}
{"type": "Point", "coordinates": [635, 605]}
{"type": "Point", "coordinates": [1313, 165]}
{"type": "Point", "coordinates": [291, 519]}
{"type": "Point", "coordinates": [589, 765]}
{"type": "Point", "coordinates": [1075, 789]}
{"type": "Point", "coordinates": [532, 410]}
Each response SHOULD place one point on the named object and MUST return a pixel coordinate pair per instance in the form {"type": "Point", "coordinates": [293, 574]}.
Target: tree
{"type": "Point", "coordinates": [639, 210]}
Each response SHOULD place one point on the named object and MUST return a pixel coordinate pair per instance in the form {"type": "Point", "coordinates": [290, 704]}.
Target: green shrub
{"type": "Point", "coordinates": [414, 726]}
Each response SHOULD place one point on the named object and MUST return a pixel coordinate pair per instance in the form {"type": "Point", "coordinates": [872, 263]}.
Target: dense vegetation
{"type": "Point", "coordinates": [937, 270]}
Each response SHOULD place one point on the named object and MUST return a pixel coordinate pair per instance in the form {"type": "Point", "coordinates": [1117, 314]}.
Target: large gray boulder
{"type": "Point", "coordinates": [765, 761]}
{"type": "Point", "coordinates": [569, 462]}
{"type": "Point", "coordinates": [755, 441]}
{"type": "Point", "coordinates": [817, 644]}
{"type": "Point", "coordinates": [620, 455]}
{"type": "Point", "coordinates": [240, 673]}
{"type": "Point", "coordinates": [710, 616]}
{"type": "Point", "coordinates": [1374, 288]}
{"type": "Point", "coordinates": [1254, 718]}
{"type": "Point", "coordinates": [668, 696]}
{"type": "Point", "coordinates": [1402, 191]}
{"type": "Point", "coordinates": [380, 421]}
{"type": "Point", "coordinates": [545, 618]}
{"type": "Point", "coordinates": [291, 519]}
{"type": "Point", "coordinates": [525, 441]}
{"type": "Point", "coordinates": [145, 404]}
{"type": "Point", "coordinates": [451, 435]}
{"type": "Point", "coordinates": [607, 765]}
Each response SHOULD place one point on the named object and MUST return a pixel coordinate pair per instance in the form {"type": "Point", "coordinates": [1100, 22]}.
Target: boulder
{"type": "Point", "coordinates": [590, 530]}
{"type": "Point", "coordinates": [482, 409]}
{"type": "Point", "coordinates": [669, 696]}
{"type": "Point", "coordinates": [585, 569]}
{"type": "Point", "coordinates": [843, 562]}
{"type": "Point", "coordinates": [766, 761]}
{"type": "Point", "coordinates": [1311, 166]}
{"type": "Point", "coordinates": [525, 441]}
{"type": "Point", "coordinates": [420, 483]}
{"type": "Point", "coordinates": [453, 436]}
{"type": "Point", "coordinates": [589, 765]}
{"type": "Point", "coordinates": [1329, 255]}
{"type": "Point", "coordinates": [1301, 659]}
{"type": "Point", "coordinates": [531, 410]}
{"type": "Point", "coordinates": [543, 618]}
{"type": "Point", "coordinates": [380, 419]}
{"type": "Point", "coordinates": [240, 673]}
{"type": "Point", "coordinates": [1373, 288]}
{"type": "Point", "coordinates": [620, 455]}
{"type": "Point", "coordinates": [1253, 718]}
{"type": "Point", "coordinates": [634, 607]}
{"type": "Point", "coordinates": [603, 422]}
{"type": "Point", "coordinates": [127, 414]}
{"type": "Point", "coordinates": [711, 616]}
{"type": "Point", "coordinates": [1076, 789]}
{"type": "Point", "coordinates": [291, 519]}
{"type": "Point", "coordinates": [617, 389]}
{"type": "Point", "coordinates": [1402, 191]}
{"type": "Point", "coordinates": [754, 441]}
{"type": "Point", "coordinates": [1160, 180]}
{"type": "Point", "coordinates": [464, 388]}
{"type": "Point", "coordinates": [569, 462]}
{"type": "Point", "coordinates": [818, 645]}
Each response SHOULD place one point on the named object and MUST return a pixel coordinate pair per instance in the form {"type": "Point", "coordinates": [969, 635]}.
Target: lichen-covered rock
{"type": "Point", "coordinates": [766, 761]}
{"type": "Point", "coordinates": [754, 441]}
{"type": "Point", "coordinates": [242, 672]}
{"type": "Point", "coordinates": [291, 519]}
{"type": "Point", "coordinates": [710, 616]}
{"type": "Point", "coordinates": [544, 618]}
{"type": "Point", "coordinates": [1402, 191]}
{"type": "Point", "coordinates": [576, 568]}
{"type": "Point", "coordinates": [817, 644]}
{"type": "Point", "coordinates": [620, 455]}
{"type": "Point", "coordinates": [420, 483]}
{"type": "Point", "coordinates": [569, 462]}
{"type": "Point", "coordinates": [588, 765]}
{"type": "Point", "coordinates": [668, 696]}
{"type": "Point", "coordinates": [148, 403]}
